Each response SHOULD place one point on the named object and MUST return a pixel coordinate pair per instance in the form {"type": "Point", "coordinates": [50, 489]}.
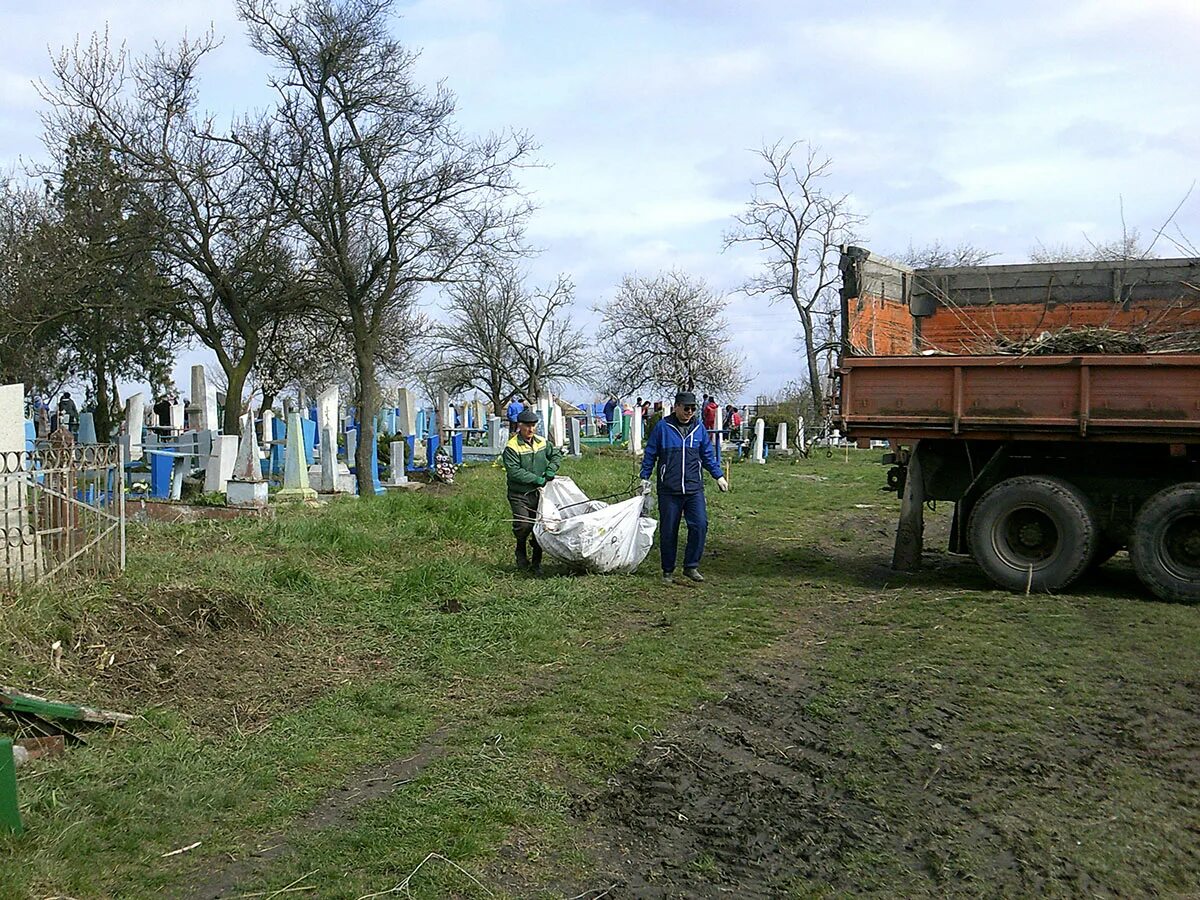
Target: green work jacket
{"type": "Point", "coordinates": [526, 463]}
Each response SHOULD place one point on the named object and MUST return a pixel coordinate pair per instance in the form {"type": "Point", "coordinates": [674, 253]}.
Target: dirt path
{"type": "Point", "coordinates": [336, 808]}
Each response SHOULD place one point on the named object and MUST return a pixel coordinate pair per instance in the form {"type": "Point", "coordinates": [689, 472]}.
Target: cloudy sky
{"type": "Point", "coordinates": [1001, 124]}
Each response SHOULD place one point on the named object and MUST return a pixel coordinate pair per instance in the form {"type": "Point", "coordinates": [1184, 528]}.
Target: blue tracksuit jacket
{"type": "Point", "coordinates": [680, 451]}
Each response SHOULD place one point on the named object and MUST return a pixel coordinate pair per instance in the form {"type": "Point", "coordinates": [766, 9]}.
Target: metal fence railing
{"type": "Point", "coordinates": [62, 509]}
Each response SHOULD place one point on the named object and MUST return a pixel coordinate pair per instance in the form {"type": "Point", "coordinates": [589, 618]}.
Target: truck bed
{"type": "Point", "coordinates": [1142, 398]}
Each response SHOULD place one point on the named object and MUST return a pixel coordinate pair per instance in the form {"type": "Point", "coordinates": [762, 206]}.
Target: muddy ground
{"type": "Point", "coordinates": [768, 793]}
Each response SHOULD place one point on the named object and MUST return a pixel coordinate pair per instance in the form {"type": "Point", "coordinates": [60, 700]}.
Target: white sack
{"type": "Point", "coordinates": [591, 533]}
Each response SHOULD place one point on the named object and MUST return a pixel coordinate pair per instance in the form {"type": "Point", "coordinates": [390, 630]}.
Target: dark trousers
{"type": "Point", "coordinates": [690, 508]}
{"type": "Point", "coordinates": [524, 512]}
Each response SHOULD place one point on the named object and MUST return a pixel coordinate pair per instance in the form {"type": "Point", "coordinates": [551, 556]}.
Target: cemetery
{"type": "Point", "coordinates": [356, 394]}
{"type": "Point", "coordinates": [308, 646]}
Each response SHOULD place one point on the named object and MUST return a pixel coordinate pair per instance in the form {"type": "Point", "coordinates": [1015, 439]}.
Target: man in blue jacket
{"type": "Point", "coordinates": [681, 446]}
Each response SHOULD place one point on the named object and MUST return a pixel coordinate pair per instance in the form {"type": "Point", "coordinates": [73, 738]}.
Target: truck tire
{"type": "Point", "coordinates": [1033, 533]}
{"type": "Point", "coordinates": [1165, 544]}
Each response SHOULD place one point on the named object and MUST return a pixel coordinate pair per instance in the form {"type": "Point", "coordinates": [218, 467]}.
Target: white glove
{"type": "Point", "coordinates": [723, 484]}
{"type": "Point", "coordinates": [645, 487]}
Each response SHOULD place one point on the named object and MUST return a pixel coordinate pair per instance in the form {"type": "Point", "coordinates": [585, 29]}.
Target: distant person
{"type": "Point", "coordinates": [610, 411]}
{"type": "Point", "coordinates": [512, 411]}
{"type": "Point", "coordinates": [682, 449]}
{"type": "Point", "coordinates": [162, 412]}
{"type": "Point", "coordinates": [710, 413]}
{"type": "Point", "coordinates": [68, 413]}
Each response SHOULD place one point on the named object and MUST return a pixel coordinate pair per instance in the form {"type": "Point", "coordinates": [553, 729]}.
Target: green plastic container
{"type": "Point", "coordinates": [10, 816]}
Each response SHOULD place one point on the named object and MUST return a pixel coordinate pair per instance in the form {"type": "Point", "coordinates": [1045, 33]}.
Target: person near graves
{"type": "Point", "coordinates": [162, 413]}
{"type": "Point", "coordinates": [529, 461]}
{"type": "Point", "coordinates": [610, 410]}
{"type": "Point", "coordinates": [512, 411]}
{"type": "Point", "coordinates": [680, 447]}
{"type": "Point", "coordinates": [68, 413]}
{"type": "Point", "coordinates": [710, 413]}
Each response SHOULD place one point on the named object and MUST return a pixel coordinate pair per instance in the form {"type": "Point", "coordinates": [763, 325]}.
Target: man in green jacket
{"type": "Point", "coordinates": [530, 462]}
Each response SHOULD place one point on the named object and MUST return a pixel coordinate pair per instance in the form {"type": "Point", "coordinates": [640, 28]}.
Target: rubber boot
{"type": "Point", "coordinates": [522, 558]}
{"type": "Point", "coordinates": [537, 559]}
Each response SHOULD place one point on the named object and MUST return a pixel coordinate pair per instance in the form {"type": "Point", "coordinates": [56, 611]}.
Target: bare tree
{"type": "Point", "coordinates": [504, 339]}
{"type": "Point", "coordinates": [799, 228]}
{"type": "Point", "coordinates": [1127, 247]}
{"type": "Point", "coordinates": [548, 347]}
{"type": "Point", "coordinates": [667, 333]}
{"type": "Point", "coordinates": [938, 255]}
{"type": "Point", "coordinates": [218, 232]}
{"type": "Point", "coordinates": [383, 190]}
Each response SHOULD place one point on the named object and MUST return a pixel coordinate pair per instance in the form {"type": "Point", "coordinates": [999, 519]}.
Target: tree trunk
{"type": "Point", "coordinates": [366, 401]}
{"type": "Point", "coordinates": [231, 423]}
{"type": "Point", "coordinates": [814, 366]}
{"type": "Point", "coordinates": [102, 417]}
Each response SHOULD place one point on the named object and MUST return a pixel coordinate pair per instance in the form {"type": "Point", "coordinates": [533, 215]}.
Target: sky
{"type": "Point", "coordinates": [1004, 124]}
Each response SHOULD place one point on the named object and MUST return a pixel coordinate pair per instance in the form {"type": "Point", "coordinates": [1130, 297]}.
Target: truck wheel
{"type": "Point", "coordinates": [1165, 544]}
{"type": "Point", "coordinates": [1033, 533]}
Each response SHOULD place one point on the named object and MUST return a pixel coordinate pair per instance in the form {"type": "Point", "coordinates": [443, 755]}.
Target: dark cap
{"type": "Point", "coordinates": [685, 398]}
{"type": "Point", "coordinates": [527, 417]}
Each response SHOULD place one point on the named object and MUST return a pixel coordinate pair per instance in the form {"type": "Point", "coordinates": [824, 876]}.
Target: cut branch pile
{"type": "Point", "coordinates": [1075, 340]}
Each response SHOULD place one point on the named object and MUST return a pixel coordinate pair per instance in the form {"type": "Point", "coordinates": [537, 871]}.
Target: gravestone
{"type": "Point", "coordinates": [635, 432]}
{"type": "Point", "coordinates": [204, 399]}
{"type": "Point", "coordinates": [351, 447]}
{"type": "Point", "coordinates": [135, 422]}
{"type": "Point", "coordinates": [801, 437]}
{"type": "Point", "coordinates": [221, 460]}
{"type": "Point", "coordinates": [574, 440]}
{"type": "Point", "coordinates": [176, 417]}
{"type": "Point", "coordinates": [246, 486]}
{"type": "Point", "coordinates": [327, 422]}
{"type": "Point", "coordinates": [295, 467]}
{"type": "Point", "coordinates": [445, 416]}
{"type": "Point", "coordinates": [781, 443]}
{"type": "Point", "coordinates": [480, 415]}
{"type": "Point", "coordinates": [396, 475]}
{"type": "Point", "coordinates": [406, 403]}
{"type": "Point", "coordinates": [87, 429]}
{"type": "Point", "coordinates": [497, 434]}
{"type": "Point", "coordinates": [759, 429]}
{"type": "Point", "coordinates": [558, 426]}
{"type": "Point", "coordinates": [719, 426]}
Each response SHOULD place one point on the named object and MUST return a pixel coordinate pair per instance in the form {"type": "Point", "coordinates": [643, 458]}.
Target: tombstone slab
{"type": "Point", "coordinates": [759, 430]}
{"type": "Point", "coordinates": [135, 423]}
{"type": "Point", "coordinates": [221, 461]}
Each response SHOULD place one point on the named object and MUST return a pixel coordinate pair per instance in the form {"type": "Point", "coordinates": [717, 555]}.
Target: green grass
{"type": "Point", "coordinates": [325, 641]}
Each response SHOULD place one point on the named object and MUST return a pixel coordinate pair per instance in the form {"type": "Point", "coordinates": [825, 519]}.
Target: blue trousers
{"type": "Point", "coordinates": [672, 508]}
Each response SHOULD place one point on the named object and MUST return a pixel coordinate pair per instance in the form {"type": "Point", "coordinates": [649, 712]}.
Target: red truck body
{"type": "Point", "coordinates": [1054, 461]}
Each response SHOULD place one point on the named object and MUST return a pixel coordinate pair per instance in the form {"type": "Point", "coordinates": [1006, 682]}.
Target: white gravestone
{"type": "Point", "coordinates": [759, 430]}
{"type": "Point", "coordinates": [221, 462]}
{"type": "Point", "coordinates": [574, 443]}
{"type": "Point", "coordinates": [246, 486]}
{"type": "Point", "coordinates": [135, 421]}
{"type": "Point", "coordinates": [396, 474]}
{"type": "Point", "coordinates": [295, 465]}
{"type": "Point", "coordinates": [558, 426]}
{"type": "Point", "coordinates": [719, 426]}
{"type": "Point", "coordinates": [781, 443]}
{"type": "Point", "coordinates": [407, 421]}
{"type": "Point", "coordinates": [204, 398]}
{"type": "Point", "coordinates": [635, 432]}
{"type": "Point", "coordinates": [801, 438]}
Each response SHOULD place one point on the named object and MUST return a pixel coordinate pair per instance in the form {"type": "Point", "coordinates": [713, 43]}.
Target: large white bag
{"type": "Point", "coordinates": [590, 533]}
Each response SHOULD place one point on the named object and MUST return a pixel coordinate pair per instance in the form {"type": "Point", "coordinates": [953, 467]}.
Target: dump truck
{"type": "Point", "coordinates": [1056, 405]}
